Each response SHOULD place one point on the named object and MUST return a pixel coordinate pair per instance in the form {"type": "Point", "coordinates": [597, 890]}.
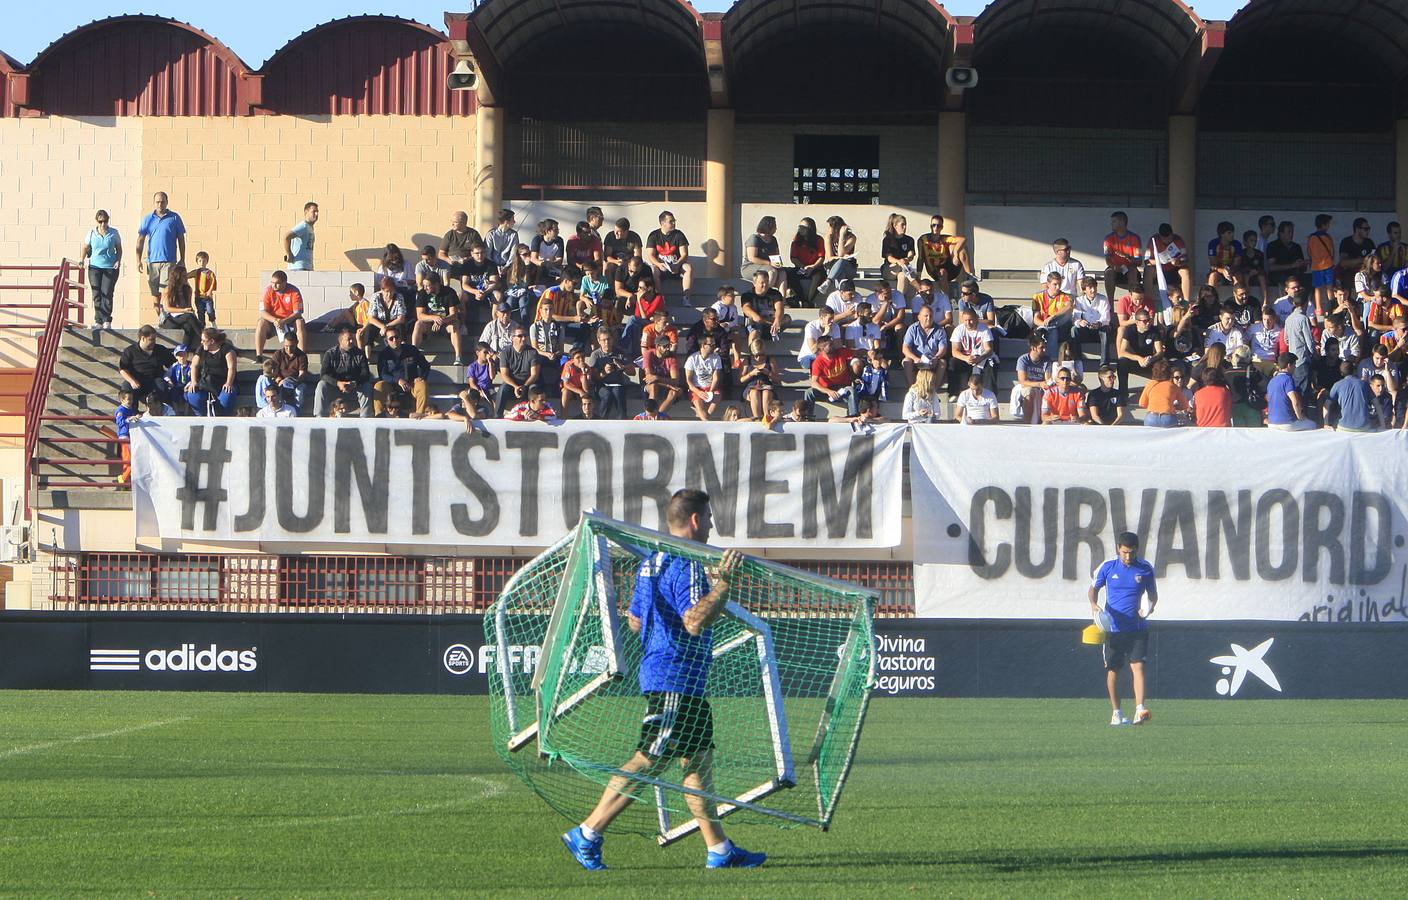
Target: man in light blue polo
{"type": "Point", "coordinates": [298, 242]}
{"type": "Point", "coordinates": [1126, 579]}
{"type": "Point", "coordinates": [161, 244]}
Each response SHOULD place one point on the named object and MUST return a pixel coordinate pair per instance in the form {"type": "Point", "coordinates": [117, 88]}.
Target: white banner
{"type": "Point", "coordinates": [420, 484]}
{"type": "Point", "coordinates": [1010, 522]}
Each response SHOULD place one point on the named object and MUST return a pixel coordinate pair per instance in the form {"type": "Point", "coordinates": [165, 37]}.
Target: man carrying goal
{"type": "Point", "coordinates": [1126, 578]}
{"type": "Point", "coordinates": [673, 610]}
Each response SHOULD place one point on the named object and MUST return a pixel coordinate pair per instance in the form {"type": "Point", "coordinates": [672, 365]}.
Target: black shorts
{"type": "Point", "coordinates": [675, 726]}
{"type": "Point", "coordinates": [1125, 647]}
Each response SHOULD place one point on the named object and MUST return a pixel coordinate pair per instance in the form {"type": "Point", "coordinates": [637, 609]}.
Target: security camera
{"type": "Point", "coordinates": [462, 78]}
{"type": "Point", "coordinates": [961, 78]}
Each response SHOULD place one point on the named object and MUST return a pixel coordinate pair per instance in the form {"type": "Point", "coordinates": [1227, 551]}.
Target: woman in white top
{"type": "Point", "coordinates": [920, 403]}
{"type": "Point", "coordinates": [395, 267]}
{"type": "Point", "coordinates": [840, 254]}
{"type": "Point", "coordinates": [103, 251]}
{"type": "Point", "coordinates": [1066, 358]}
{"type": "Point", "coordinates": [759, 251]}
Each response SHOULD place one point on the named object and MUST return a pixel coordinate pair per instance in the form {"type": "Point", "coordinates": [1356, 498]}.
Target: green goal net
{"type": "Point", "coordinates": [793, 662]}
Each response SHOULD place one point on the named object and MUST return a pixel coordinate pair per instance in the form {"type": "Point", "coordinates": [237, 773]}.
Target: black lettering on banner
{"type": "Point", "coordinates": [1238, 531]}
{"type": "Point", "coordinates": [701, 472]}
{"type": "Point", "coordinates": [1266, 505]}
{"type": "Point", "coordinates": [1362, 571]}
{"type": "Point", "coordinates": [1076, 532]}
{"type": "Point", "coordinates": [483, 492]}
{"type": "Point", "coordinates": [349, 466]}
{"type": "Point", "coordinates": [1119, 520]}
{"type": "Point", "coordinates": [197, 458]}
{"type": "Point", "coordinates": [257, 451]}
{"type": "Point", "coordinates": [420, 441]}
{"type": "Point", "coordinates": [531, 445]}
{"type": "Point", "coordinates": [760, 487]}
{"type": "Point", "coordinates": [818, 484]}
{"type": "Point", "coordinates": [578, 444]}
{"type": "Point", "coordinates": [638, 487]}
{"type": "Point", "coordinates": [1176, 522]}
{"type": "Point", "coordinates": [1050, 503]}
{"type": "Point", "coordinates": [977, 532]}
{"type": "Point", "coordinates": [1324, 537]}
{"type": "Point", "coordinates": [315, 482]}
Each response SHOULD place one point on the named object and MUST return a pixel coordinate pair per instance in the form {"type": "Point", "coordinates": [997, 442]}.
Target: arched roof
{"type": "Point", "coordinates": [158, 67]}
{"type": "Point", "coordinates": [364, 65]}
{"type": "Point", "coordinates": [1162, 30]}
{"type": "Point", "coordinates": [1375, 29]}
{"type": "Point", "coordinates": [508, 26]}
{"type": "Point", "coordinates": [750, 25]}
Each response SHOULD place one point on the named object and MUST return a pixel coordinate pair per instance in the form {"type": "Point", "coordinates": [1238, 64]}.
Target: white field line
{"type": "Point", "coordinates": [79, 739]}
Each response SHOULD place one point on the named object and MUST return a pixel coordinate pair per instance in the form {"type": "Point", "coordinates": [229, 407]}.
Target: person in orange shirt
{"type": "Point", "coordinates": [1051, 310]}
{"type": "Point", "coordinates": [1322, 262]}
{"type": "Point", "coordinates": [1212, 403]}
{"type": "Point", "coordinates": [1124, 257]}
{"type": "Point", "coordinates": [280, 310]}
{"type": "Point", "coordinates": [1165, 400]}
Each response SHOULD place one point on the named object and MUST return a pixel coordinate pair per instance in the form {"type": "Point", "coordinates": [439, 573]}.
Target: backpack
{"type": "Point", "coordinates": [1011, 321]}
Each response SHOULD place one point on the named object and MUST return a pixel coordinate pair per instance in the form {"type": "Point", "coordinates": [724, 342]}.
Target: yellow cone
{"type": "Point", "coordinates": [1092, 634]}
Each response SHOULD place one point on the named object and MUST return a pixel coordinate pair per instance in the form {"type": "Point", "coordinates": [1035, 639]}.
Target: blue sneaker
{"type": "Point", "coordinates": [586, 852]}
{"type": "Point", "coordinates": [735, 858]}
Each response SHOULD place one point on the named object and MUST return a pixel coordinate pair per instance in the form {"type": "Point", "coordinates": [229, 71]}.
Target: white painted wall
{"type": "Point", "coordinates": [1019, 237]}
{"type": "Point", "coordinates": [644, 216]}
{"type": "Point", "coordinates": [868, 223]}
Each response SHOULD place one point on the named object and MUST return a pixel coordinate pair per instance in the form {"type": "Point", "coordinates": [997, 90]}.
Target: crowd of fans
{"type": "Point", "coordinates": [560, 327]}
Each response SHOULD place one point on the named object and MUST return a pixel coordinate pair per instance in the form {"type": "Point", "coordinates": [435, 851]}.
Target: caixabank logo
{"type": "Point", "coordinates": [185, 658]}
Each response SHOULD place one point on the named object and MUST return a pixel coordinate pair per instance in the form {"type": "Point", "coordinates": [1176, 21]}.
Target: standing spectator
{"type": "Point", "coordinates": [1350, 403]}
{"type": "Point", "coordinates": [144, 365]}
{"type": "Point", "coordinates": [178, 304]}
{"type": "Point", "coordinates": [280, 311]}
{"type": "Point", "coordinates": [1284, 257]}
{"type": "Point", "coordinates": [1164, 399]}
{"type": "Point", "coordinates": [455, 250]}
{"type": "Point", "coordinates": [897, 251]}
{"type": "Point", "coordinates": [1140, 347]}
{"type": "Point", "coordinates": [102, 250]}
{"type": "Point", "coordinates": [344, 371]}
{"type": "Point", "coordinates": [401, 368]}
{"type": "Point", "coordinates": [497, 334]}
{"type": "Point", "coordinates": [1251, 266]}
{"type": "Point", "coordinates": [211, 390]}
{"type": "Point", "coordinates": [660, 374]}
{"type": "Point", "coordinates": [1064, 402]}
{"type": "Point", "coordinates": [667, 252]}
{"type": "Point", "coordinates": [502, 240]}
{"type": "Point", "coordinates": [620, 245]}
{"type": "Point", "coordinates": [204, 284]}
{"type": "Point", "coordinates": [122, 417]}
{"type": "Point", "coordinates": [977, 405]}
{"type": "Point", "coordinates": [1212, 403]}
{"type": "Point", "coordinates": [298, 242]}
{"type": "Point", "coordinates": [1394, 252]}
{"type": "Point", "coordinates": [274, 406]}
{"type": "Point", "coordinates": [1072, 271]}
{"type": "Point", "coordinates": [973, 353]}
{"type": "Point", "coordinates": [834, 372]}
{"type": "Point", "coordinates": [291, 368]}
{"type": "Point", "coordinates": [920, 406]}
{"type": "Point", "coordinates": [1124, 255]}
{"type": "Point", "coordinates": [840, 259]}
{"type": "Point", "coordinates": [764, 308]}
{"type": "Point", "coordinates": [1224, 253]}
{"type": "Point", "coordinates": [519, 370]}
{"type": "Point", "coordinates": [576, 381]}
{"type": "Point", "coordinates": [1106, 403]}
{"type": "Point", "coordinates": [548, 252]}
{"type": "Point", "coordinates": [437, 311]}
{"type": "Point", "coordinates": [1354, 250]}
{"type": "Point", "coordinates": [1031, 382]}
{"type": "Point", "coordinates": [704, 375]}
{"type": "Point", "coordinates": [762, 256]}
{"type": "Point", "coordinates": [1091, 319]}
{"type": "Point", "coordinates": [394, 266]}
{"type": "Point", "coordinates": [943, 258]}
{"type": "Point", "coordinates": [1322, 262]}
{"type": "Point", "coordinates": [1285, 410]}
{"type": "Point", "coordinates": [925, 348]}
{"type": "Point", "coordinates": [1172, 255]}
{"type": "Point", "coordinates": [822, 325]}
{"type": "Point", "coordinates": [1051, 314]}
{"type": "Point", "coordinates": [808, 256]}
{"type": "Point", "coordinates": [1300, 342]}
{"type": "Point", "coordinates": [167, 247]}
{"type": "Point", "coordinates": [611, 372]}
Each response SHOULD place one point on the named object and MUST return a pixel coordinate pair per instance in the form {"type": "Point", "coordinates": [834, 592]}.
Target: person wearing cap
{"type": "Point", "coordinates": [1126, 580]}
{"type": "Point", "coordinates": [843, 302]}
{"type": "Point", "coordinates": [498, 332]}
{"type": "Point", "coordinates": [178, 374]}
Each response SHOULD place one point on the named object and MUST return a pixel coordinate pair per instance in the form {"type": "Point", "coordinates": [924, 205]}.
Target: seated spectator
{"type": "Point", "coordinates": [1338, 344]}
{"type": "Point", "coordinates": [920, 402]}
{"type": "Point", "coordinates": [280, 311]}
{"type": "Point", "coordinates": [178, 374]}
{"type": "Point", "coordinates": [660, 323]}
{"type": "Point", "coordinates": [1124, 256]}
{"type": "Point", "coordinates": [1164, 399]}
{"type": "Point", "coordinates": [667, 252]}
{"type": "Point", "coordinates": [1129, 306]}
{"type": "Point", "coordinates": [650, 412]}
{"type": "Point", "coordinates": [897, 250]}
{"type": "Point", "coordinates": [1072, 271]}
{"type": "Point", "coordinates": [977, 405]}
{"type": "Point", "coordinates": [1052, 314]}
{"type": "Point", "coordinates": [401, 369]}
{"type": "Point", "coordinates": [762, 256]}
{"type": "Point", "coordinates": [1215, 357]}
{"type": "Point", "coordinates": [1251, 265]}
{"type": "Point", "coordinates": [437, 312]}
{"type": "Point", "coordinates": [566, 311]}
{"type": "Point", "coordinates": [873, 384]}
{"type": "Point", "coordinates": [429, 264]}
{"type": "Point", "coordinates": [1394, 252]}
{"type": "Point", "coordinates": [833, 375]}
{"type": "Point", "coordinates": [925, 294]}
{"type": "Point", "coordinates": [840, 259]}
{"type": "Point", "coordinates": [575, 380]}
{"type": "Point", "coordinates": [344, 373]}
{"type": "Point", "coordinates": [1378, 364]}
{"type": "Point", "coordinates": [337, 409]}
{"type": "Point", "coordinates": [1349, 405]}
{"type": "Point", "coordinates": [628, 278]}
{"type": "Point", "coordinates": [385, 311]}
{"type": "Point", "coordinates": [1140, 347]}
{"type": "Point", "coordinates": [584, 247]}
{"type": "Point", "coordinates": [621, 245]}
{"type": "Point", "coordinates": [925, 347]}
{"type": "Point", "coordinates": [1106, 403]}
{"type": "Point", "coordinates": [1264, 338]}
{"type": "Point", "coordinates": [1031, 382]}
{"type": "Point", "coordinates": [520, 284]}
{"type": "Point", "coordinates": [520, 368]}
{"type": "Point", "coordinates": [394, 266]}
{"type": "Point", "coordinates": [1212, 403]}
{"type": "Point", "coordinates": [211, 390]}
{"type": "Point", "coordinates": [1381, 405]}
{"type": "Point", "coordinates": [1246, 308]}
{"type": "Point", "coordinates": [1285, 410]}
{"type": "Point", "coordinates": [943, 258]}
{"type": "Point", "coordinates": [1066, 358]}
{"type": "Point", "coordinates": [596, 289]}
{"type": "Point", "coordinates": [497, 333]}
{"type": "Point", "coordinates": [476, 274]}
{"type": "Point", "coordinates": [501, 243]}
{"type": "Point", "coordinates": [703, 374]}
{"type": "Point", "coordinates": [155, 408]}
{"type": "Point", "coordinates": [291, 363]}
{"type": "Point", "coordinates": [1064, 401]}
{"type": "Point", "coordinates": [890, 309]}
{"type": "Point", "coordinates": [734, 413]}
{"type": "Point", "coordinates": [1091, 318]}
{"type": "Point", "coordinates": [455, 249]}
{"type": "Point", "coordinates": [1172, 257]}
{"type": "Point", "coordinates": [272, 405]}
{"type": "Point", "coordinates": [535, 408]}
{"type": "Point", "coordinates": [842, 302]}
{"type": "Point", "coordinates": [823, 324]}
{"type": "Point", "coordinates": [1224, 252]}
{"type": "Point", "coordinates": [759, 380]}
{"type": "Point", "coordinates": [808, 256]}
{"type": "Point", "coordinates": [1226, 332]}
{"type": "Point", "coordinates": [268, 377]}
{"type": "Point", "coordinates": [660, 373]}
{"type": "Point", "coordinates": [707, 326]}
{"type": "Point", "coordinates": [974, 352]}
{"type": "Point", "coordinates": [612, 371]}
{"type": "Point", "coordinates": [763, 308]}
{"type": "Point", "coordinates": [726, 310]}
{"type": "Point", "coordinates": [548, 252]}
{"type": "Point", "coordinates": [179, 306]}
{"type": "Point", "coordinates": [645, 303]}
{"type": "Point", "coordinates": [144, 365]}
{"type": "Point", "coordinates": [1383, 309]}
{"type": "Point", "coordinates": [862, 334]}
{"type": "Point", "coordinates": [479, 382]}
{"type": "Point", "coordinates": [395, 407]}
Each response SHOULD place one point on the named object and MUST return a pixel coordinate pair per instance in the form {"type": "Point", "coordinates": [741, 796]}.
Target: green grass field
{"type": "Point", "coordinates": [237, 795]}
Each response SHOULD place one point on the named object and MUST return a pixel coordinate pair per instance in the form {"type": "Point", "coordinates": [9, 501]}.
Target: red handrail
{"type": "Point", "coordinates": [45, 357]}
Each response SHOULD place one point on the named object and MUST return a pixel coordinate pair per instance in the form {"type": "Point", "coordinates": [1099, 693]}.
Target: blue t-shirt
{"type": "Point", "coordinates": [301, 247]}
{"type": "Point", "coordinates": [161, 234]}
{"type": "Point", "coordinates": [1353, 397]}
{"type": "Point", "coordinates": [675, 660]}
{"type": "Point", "coordinates": [123, 418]}
{"type": "Point", "coordinates": [1124, 586]}
{"type": "Point", "coordinates": [102, 248]}
{"type": "Point", "coordinates": [1278, 400]}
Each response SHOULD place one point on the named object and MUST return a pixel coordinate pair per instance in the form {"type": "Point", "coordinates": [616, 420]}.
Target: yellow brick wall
{"type": "Point", "coordinates": [239, 184]}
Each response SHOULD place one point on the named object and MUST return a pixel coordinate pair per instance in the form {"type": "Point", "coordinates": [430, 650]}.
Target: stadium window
{"type": "Point", "coordinates": [187, 579]}
{"type": "Point", "coordinates": [835, 168]}
{"type": "Point", "coordinates": [107, 577]}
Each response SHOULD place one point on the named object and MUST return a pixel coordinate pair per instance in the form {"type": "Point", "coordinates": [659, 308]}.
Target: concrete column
{"type": "Point", "coordinates": [718, 247]}
{"type": "Point", "coordinates": [953, 171]}
{"type": "Point", "coordinates": [1183, 178]}
{"type": "Point", "coordinates": [1400, 180]}
{"type": "Point", "coordinates": [487, 187]}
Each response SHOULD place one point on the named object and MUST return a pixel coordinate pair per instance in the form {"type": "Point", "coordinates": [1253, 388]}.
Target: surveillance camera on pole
{"type": "Point", "coordinates": [462, 77]}
{"type": "Point", "coordinates": [961, 78]}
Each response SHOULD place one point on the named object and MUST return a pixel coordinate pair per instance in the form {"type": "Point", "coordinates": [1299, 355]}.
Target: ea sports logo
{"type": "Point", "coordinates": [459, 659]}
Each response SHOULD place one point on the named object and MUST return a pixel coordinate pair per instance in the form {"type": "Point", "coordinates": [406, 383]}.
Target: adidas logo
{"type": "Point", "coordinates": [185, 658]}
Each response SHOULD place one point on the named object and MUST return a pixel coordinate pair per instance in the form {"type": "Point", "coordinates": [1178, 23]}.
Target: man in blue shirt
{"type": "Point", "coordinates": [161, 244]}
{"type": "Point", "coordinates": [1126, 579]}
{"type": "Point", "coordinates": [1351, 399]}
{"type": "Point", "coordinates": [673, 610]}
{"type": "Point", "coordinates": [1285, 410]}
{"type": "Point", "coordinates": [298, 242]}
